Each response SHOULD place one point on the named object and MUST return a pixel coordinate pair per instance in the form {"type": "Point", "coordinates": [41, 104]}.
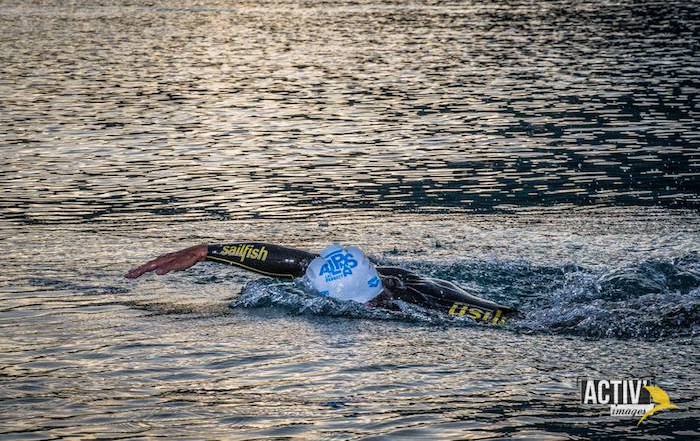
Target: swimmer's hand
{"type": "Point", "coordinates": [177, 261]}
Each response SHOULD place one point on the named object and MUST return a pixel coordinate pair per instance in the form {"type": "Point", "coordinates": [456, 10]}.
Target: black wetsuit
{"type": "Point", "coordinates": [278, 261]}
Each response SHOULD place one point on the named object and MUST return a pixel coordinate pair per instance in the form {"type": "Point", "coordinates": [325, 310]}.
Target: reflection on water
{"type": "Point", "coordinates": [85, 352]}
{"type": "Point", "coordinates": [504, 145]}
{"type": "Point", "coordinates": [284, 109]}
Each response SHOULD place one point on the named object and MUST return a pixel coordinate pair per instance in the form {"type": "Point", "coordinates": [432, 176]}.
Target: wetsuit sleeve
{"type": "Point", "coordinates": [441, 295]}
{"type": "Point", "coordinates": [262, 258]}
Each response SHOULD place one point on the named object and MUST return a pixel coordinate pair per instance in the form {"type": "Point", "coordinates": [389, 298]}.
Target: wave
{"type": "Point", "coordinates": [654, 299]}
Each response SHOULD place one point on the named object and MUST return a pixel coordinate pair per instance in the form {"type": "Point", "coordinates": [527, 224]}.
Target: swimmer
{"type": "Point", "coordinates": [344, 273]}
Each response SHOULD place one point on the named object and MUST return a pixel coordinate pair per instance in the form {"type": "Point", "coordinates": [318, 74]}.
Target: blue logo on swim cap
{"type": "Point", "coordinates": [343, 273]}
{"type": "Point", "coordinates": [338, 264]}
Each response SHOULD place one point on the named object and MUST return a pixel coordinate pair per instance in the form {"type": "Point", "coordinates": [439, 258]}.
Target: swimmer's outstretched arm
{"type": "Point", "coordinates": [262, 258]}
{"type": "Point", "coordinates": [177, 261]}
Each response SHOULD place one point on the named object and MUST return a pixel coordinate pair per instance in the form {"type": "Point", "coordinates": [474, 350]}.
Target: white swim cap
{"type": "Point", "coordinates": [344, 273]}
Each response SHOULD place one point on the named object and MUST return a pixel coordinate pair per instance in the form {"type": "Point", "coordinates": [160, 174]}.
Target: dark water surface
{"type": "Point", "coordinates": [541, 154]}
{"type": "Point", "coordinates": [279, 109]}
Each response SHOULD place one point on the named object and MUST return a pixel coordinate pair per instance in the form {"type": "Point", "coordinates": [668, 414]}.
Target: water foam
{"type": "Point", "coordinates": [652, 299]}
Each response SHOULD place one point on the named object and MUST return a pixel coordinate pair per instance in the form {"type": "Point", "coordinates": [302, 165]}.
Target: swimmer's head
{"type": "Point", "coordinates": [344, 273]}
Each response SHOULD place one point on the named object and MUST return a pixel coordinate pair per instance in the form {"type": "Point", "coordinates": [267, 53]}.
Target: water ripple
{"type": "Point", "coordinates": [289, 109]}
